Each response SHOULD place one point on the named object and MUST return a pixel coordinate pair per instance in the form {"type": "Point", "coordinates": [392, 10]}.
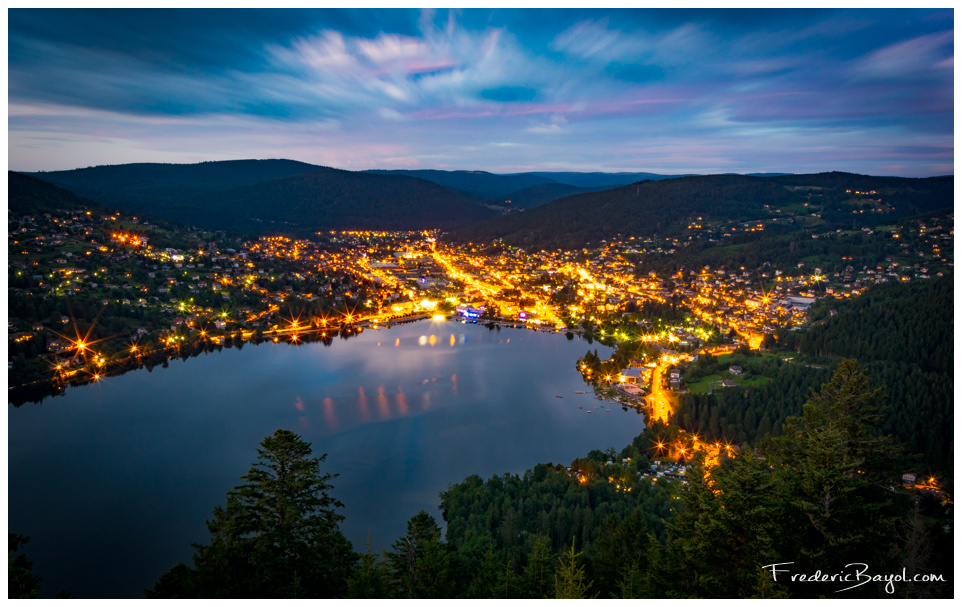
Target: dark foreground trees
{"type": "Point", "coordinates": [277, 536]}
{"type": "Point", "coordinates": [824, 496]}
{"type": "Point", "coordinates": [21, 582]}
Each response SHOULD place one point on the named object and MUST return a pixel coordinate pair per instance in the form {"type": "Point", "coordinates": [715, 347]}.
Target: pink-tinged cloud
{"type": "Point", "coordinates": [908, 57]}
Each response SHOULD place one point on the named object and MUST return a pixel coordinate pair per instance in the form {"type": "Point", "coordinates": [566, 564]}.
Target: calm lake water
{"type": "Point", "coordinates": [113, 481]}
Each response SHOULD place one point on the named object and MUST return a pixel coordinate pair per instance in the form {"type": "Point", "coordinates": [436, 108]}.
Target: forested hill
{"type": "Point", "coordinates": [479, 183]}
{"type": "Point", "coordinates": [336, 199]}
{"type": "Point", "coordinates": [152, 182]}
{"type": "Point", "coordinates": [28, 195]}
{"type": "Point", "coordinates": [902, 333]}
{"type": "Point", "coordinates": [526, 190]}
{"type": "Point", "coordinates": [602, 181]}
{"type": "Point", "coordinates": [272, 196]}
{"type": "Point", "coordinates": [543, 193]}
{"type": "Point", "coordinates": [665, 207]}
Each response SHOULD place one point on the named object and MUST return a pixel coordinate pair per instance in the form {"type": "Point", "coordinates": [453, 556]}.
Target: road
{"type": "Point", "coordinates": [660, 400]}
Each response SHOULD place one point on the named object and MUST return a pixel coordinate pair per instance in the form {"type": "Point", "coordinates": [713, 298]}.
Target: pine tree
{"type": "Point", "coordinates": [569, 581]}
{"type": "Point", "coordinates": [838, 468]}
{"type": "Point", "coordinates": [419, 561]}
{"type": "Point", "coordinates": [21, 583]}
{"type": "Point", "coordinates": [371, 579]}
{"type": "Point", "coordinates": [539, 569]}
{"type": "Point", "coordinates": [277, 536]}
{"type": "Point", "coordinates": [727, 530]}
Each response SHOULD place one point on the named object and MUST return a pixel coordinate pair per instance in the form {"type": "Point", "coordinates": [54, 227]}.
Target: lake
{"type": "Point", "coordinates": [113, 481]}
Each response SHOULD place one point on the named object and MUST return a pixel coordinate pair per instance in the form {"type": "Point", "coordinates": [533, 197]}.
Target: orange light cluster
{"type": "Point", "coordinates": [123, 238]}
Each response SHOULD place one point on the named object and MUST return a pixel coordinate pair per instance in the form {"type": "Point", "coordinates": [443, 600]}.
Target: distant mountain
{"type": "Point", "coordinates": [26, 194]}
{"type": "Point", "coordinates": [665, 206]}
{"type": "Point", "coordinates": [479, 183]}
{"type": "Point", "coordinates": [603, 181]}
{"type": "Point", "coordinates": [334, 199]}
{"type": "Point", "coordinates": [543, 193]}
{"type": "Point", "coordinates": [272, 195]}
{"type": "Point", "coordinates": [526, 190]}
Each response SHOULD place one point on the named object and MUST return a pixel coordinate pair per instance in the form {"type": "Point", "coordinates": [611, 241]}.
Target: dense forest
{"type": "Point", "coordinates": [272, 196]}
{"type": "Point", "coordinates": [663, 207]}
{"type": "Point", "coordinates": [901, 332]}
{"type": "Point", "coordinates": [904, 335]}
{"type": "Point", "coordinates": [501, 187]}
{"type": "Point", "coordinates": [746, 415]}
{"type": "Point", "coordinates": [479, 183]}
{"type": "Point", "coordinates": [27, 194]}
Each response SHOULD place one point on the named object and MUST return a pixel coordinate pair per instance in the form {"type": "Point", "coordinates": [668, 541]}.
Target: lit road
{"type": "Point", "coordinates": [660, 400]}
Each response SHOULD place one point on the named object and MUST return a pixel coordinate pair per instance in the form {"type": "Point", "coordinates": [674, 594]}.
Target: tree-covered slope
{"type": "Point", "coordinates": [526, 190]}
{"type": "Point", "coordinates": [537, 195]}
{"type": "Point", "coordinates": [666, 206]}
{"type": "Point", "coordinates": [902, 333]}
{"type": "Point", "coordinates": [643, 208]}
{"type": "Point", "coordinates": [601, 181]}
{"type": "Point", "coordinates": [26, 194]}
{"type": "Point", "coordinates": [153, 182]}
{"type": "Point", "coordinates": [273, 195]}
{"type": "Point", "coordinates": [479, 183]}
{"type": "Point", "coordinates": [335, 199]}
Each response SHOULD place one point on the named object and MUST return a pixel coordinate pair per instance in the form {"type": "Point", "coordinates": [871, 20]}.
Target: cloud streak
{"type": "Point", "coordinates": [567, 89]}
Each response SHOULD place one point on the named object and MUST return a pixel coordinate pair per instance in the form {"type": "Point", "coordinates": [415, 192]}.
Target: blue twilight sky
{"type": "Point", "coordinates": [666, 91]}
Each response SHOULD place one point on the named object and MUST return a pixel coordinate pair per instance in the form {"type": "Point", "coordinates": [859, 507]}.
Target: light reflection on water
{"type": "Point", "coordinates": [113, 481]}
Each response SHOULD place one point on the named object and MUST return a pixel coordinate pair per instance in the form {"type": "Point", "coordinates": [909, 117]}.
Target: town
{"type": "Point", "coordinates": [94, 294]}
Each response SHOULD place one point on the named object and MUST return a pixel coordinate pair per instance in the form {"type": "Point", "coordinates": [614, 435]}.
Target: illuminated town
{"type": "Point", "coordinates": [172, 291]}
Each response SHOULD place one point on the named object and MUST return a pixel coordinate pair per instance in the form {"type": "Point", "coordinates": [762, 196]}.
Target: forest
{"type": "Point", "coordinates": [902, 333]}
{"type": "Point", "coordinates": [664, 207]}
{"type": "Point", "coordinates": [270, 196]}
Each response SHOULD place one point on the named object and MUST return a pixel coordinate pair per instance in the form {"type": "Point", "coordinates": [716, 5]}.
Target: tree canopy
{"type": "Point", "coordinates": [277, 536]}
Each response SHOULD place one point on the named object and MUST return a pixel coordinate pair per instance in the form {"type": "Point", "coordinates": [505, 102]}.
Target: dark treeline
{"type": "Point", "coordinates": [903, 334]}
{"type": "Point", "coordinates": [891, 322]}
{"type": "Point", "coordinates": [641, 209]}
{"type": "Point", "coordinates": [822, 495]}
{"type": "Point", "coordinates": [664, 207]}
{"type": "Point", "coordinates": [26, 195]}
{"type": "Point", "coordinates": [779, 248]}
{"type": "Point", "coordinates": [265, 196]}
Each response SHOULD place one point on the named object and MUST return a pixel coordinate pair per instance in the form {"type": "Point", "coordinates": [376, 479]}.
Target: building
{"type": "Point", "coordinates": [633, 376]}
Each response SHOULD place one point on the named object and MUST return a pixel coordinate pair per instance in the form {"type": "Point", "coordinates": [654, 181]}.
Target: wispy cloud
{"type": "Point", "coordinates": [918, 56]}
{"type": "Point", "coordinates": [485, 89]}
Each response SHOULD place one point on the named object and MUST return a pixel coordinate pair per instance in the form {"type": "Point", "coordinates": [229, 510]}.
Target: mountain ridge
{"type": "Point", "coordinates": [659, 207]}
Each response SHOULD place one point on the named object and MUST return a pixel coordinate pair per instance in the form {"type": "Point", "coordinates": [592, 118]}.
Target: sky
{"type": "Point", "coordinates": [662, 91]}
